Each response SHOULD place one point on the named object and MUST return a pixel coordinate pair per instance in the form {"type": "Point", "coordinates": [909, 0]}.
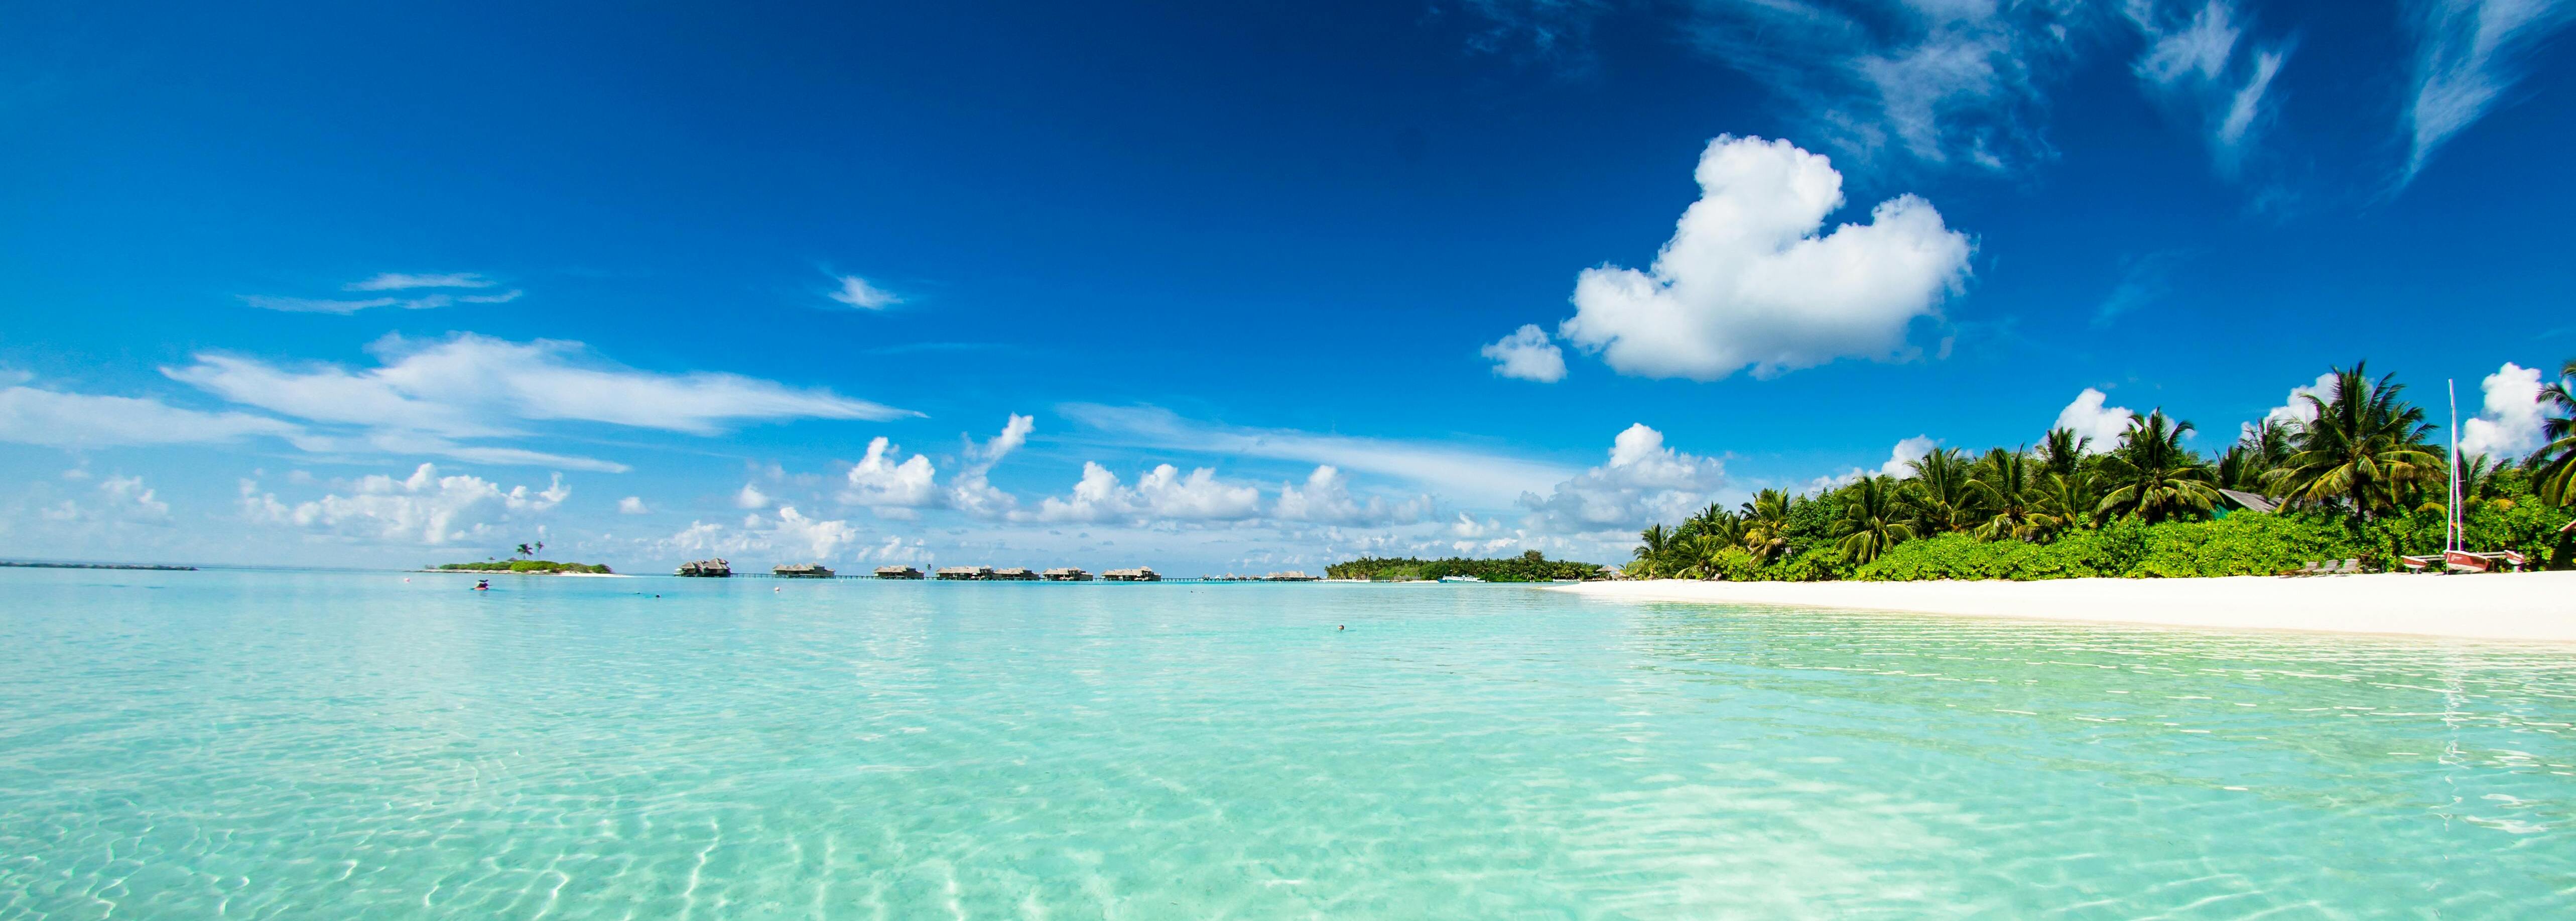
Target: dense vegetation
{"type": "Point", "coordinates": [1532, 566]}
{"type": "Point", "coordinates": [2361, 479]}
{"type": "Point", "coordinates": [527, 566]}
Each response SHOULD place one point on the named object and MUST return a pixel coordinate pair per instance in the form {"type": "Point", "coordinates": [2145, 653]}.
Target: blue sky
{"type": "Point", "coordinates": [652, 284]}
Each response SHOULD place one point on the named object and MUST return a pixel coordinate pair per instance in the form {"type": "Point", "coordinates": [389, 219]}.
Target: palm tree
{"type": "Point", "coordinates": [2152, 475]}
{"type": "Point", "coordinates": [1938, 492]}
{"type": "Point", "coordinates": [2553, 467]}
{"type": "Point", "coordinates": [2006, 486]}
{"type": "Point", "coordinates": [1873, 519]}
{"type": "Point", "coordinates": [524, 551]}
{"type": "Point", "coordinates": [2061, 452]}
{"type": "Point", "coordinates": [2363, 447]}
{"type": "Point", "coordinates": [1766, 524]}
{"type": "Point", "coordinates": [1658, 542]}
{"type": "Point", "coordinates": [2065, 500]}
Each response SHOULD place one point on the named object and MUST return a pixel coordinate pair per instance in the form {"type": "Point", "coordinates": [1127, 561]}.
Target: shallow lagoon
{"type": "Point", "coordinates": [330, 745]}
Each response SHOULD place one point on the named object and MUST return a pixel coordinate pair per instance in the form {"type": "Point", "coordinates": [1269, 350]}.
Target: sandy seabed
{"type": "Point", "coordinates": [2500, 606]}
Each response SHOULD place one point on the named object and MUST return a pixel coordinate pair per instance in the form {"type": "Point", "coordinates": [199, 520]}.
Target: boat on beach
{"type": "Point", "coordinates": [1460, 579]}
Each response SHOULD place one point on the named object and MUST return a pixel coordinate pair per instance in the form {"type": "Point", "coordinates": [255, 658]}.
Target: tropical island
{"type": "Point", "coordinates": [1531, 566]}
{"type": "Point", "coordinates": [523, 562]}
{"type": "Point", "coordinates": [2361, 479]}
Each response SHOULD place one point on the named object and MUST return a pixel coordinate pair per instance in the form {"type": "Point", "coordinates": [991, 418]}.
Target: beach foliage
{"type": "Point", "coordinates": [1531, 566]}
{"type": "Point", "coordinates": [539, 567]}
{"type": "Point", "coordinates": [2358, 476]}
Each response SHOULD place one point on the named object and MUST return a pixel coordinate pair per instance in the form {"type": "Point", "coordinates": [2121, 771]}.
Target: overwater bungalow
{"type": "Point", "coordinates": [707, 569]}
{"type": "Point", "coordinates": [1138, 574]}
{"type": "Point", "coordinates": [1293, 575]}
{"type": "Point", "coordinates": [1065, 574]}
{"type": "Point", "coordinates": [1014, 574]}
{"type": "Point", "coordinates": [964, 573]}
{"type": "Point", "coordinates": [898, 572]}
{"type": "Point", "coordinates": [801, 571]}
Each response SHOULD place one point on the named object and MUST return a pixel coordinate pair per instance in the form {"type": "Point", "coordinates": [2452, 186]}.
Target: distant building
{"type": "Point", "coordinates": [801, 571]}
{"type": "Point", "coordinates": [1014, 574]}
{"type": "Point", "coordinates": [2237, 500]}
{"type": "Point", "coordinates": [707, 569]}
{"type": "Point", "coordinates": [1293, 575]}
{"type": "Point", "coordinates": [1138, 574]}
{"type": "Point", "coordinates": [1612, 573]}
{"type": "Point", "coordinates": [1065, 574]}
{"type": "Point", "coordinates": [898, 572]}
{"type": "Point", "coordinates": [965, 573]}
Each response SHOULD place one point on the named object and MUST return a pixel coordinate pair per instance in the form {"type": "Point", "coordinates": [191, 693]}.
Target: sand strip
{"type": "Point", "coordinates": [2502, 606]}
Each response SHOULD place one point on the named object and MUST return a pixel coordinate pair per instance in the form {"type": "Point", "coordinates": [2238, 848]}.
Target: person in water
{"type": "Point", "coordinates": [482, 585]}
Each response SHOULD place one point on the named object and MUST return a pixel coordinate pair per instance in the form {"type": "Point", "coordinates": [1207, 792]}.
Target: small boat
{"type": "Point", "coordinates": [1460, 579]}
{"type": "Point", "coordinates": [2460, 561]}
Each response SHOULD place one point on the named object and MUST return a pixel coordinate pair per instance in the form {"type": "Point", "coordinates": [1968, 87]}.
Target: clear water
{"type": "Point", "coordinates": [194, 745]}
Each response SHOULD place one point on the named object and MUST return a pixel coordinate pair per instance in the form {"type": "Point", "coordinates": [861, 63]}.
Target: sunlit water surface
{"type": "Point", "coordinates": [203, 744]}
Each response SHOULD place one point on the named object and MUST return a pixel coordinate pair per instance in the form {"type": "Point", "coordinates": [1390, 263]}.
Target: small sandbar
{"type": "Point", "coordinates": [2498, 606]}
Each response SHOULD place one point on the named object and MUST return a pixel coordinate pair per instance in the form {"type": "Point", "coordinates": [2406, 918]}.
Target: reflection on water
{"type": "Point", "coordinates": [337, 745]}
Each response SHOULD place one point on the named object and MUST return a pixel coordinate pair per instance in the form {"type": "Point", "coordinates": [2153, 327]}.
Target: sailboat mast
{"type": "Point", "coordinates": [2451, 523]}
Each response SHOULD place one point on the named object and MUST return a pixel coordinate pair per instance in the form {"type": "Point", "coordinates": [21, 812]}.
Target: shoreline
{"type": "Point", "coordinates": [2530, 606]}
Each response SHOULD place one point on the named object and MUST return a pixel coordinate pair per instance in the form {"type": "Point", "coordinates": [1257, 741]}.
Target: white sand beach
{"type": "Point", "coordinates": [2500, 606]}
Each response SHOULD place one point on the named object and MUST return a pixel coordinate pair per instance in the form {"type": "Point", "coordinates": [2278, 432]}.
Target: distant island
{"type": "Point", "coordinates": [1532, 566]}
{"type": "Point", "coordinates": [151, 566]}
{"type": "Point", "coordinates": [528, 567]}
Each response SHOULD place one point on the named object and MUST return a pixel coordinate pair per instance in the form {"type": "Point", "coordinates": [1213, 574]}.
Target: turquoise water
{"type": "Point", "coordinates": [324, 745]}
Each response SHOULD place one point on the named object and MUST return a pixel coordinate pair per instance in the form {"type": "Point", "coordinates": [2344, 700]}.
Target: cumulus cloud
{"type": "Point", "coordinates": [2297, 410]}
{"type": "Point", "coordinates": [1163, 494]}
{"type": "Point", "coordinates": [856, 292]}
{"type": "Point", "coordinates": [2091, 419]}
{"type": "Point", "coordinates": [2191, 63]}
{"type": "Point", "coordinates": [631, 505]}
{"type": "Point", "coordinates": [400, 281]}
{"type": "Point", "coordinates": [750, 497]}
{"type": "Point", "coordinates": [423, 508]}
{"type": "Point", "coordinates": [2468, 53]}
{"type": "Point", "coordinates": [1747, 279]}
{"type": "Point", "coordinates": [971, 492]}
{"type": "Point", "coordinates": [1326, 498]}
{"type": "Point", "coordinates": [2513, 414]}
{"type": "Point", "coordinates": [128, 497]}
{"type": "Point", "coordinates": [474, 385]}
{"type": "Point", "coordinates": [816, 539]}
{"type": "Point", "coordinates": [72, 420]}
{"type": "Point", "coordinates": [1899, 463]}
{"type": "Point", "coordinates": [1527, 354]}
{"type": "Point", "coordinates": [1643, 481]}
{"type": "Point", "coordinates": [892, 489]}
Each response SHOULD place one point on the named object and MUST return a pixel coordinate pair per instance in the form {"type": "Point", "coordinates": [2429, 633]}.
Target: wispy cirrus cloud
{"type": "Point", "coordinates": [478, 386]}
{"type": "Point", "coordinates": [2468, 54]}
{"type": "Point", "coordinates": [2198, 61]}
{"type": "Point", "coordinates": [74, 420]}
{"type": "Point", "coordinates": [857, 292]}
{"type": "Point", "coordinates": [1456, 471]}
{"type": "Point", "coordinates": [400, 281]}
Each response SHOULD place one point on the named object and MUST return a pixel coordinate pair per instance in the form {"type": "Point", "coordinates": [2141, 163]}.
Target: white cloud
{"type": "Point", "coordinates": [2090, 419]}
{"type": "Point", "coordinates": [1469, 528]}
{"type": "Point", "coordinates": [892, 489]}
{"type": "Point", "coordinates": [1747, 280]}
{"type": "Point", "coordinates": [1900, 459]}
{"type": "Point", "coordinates": [819, 540]}
{"type": "Point", "coordinates": [2191, 64]}
{"type": "Point", "coordinates": [1940, 81]}
{"type": "Point", "coordinates": [856, 292]}
{"type": "Point", "coordinates": [2468, 53]}
{"type": "Point", "coordinates": [1326, 499]}
{"type": "Point", "coordinates": [127, 497]}
{"type": "Point", "coordinates": [2297, 410]}
{"type": "Point", "coordinates": [73, 420]}
{"type": "Point", "coordinates": [1454, 470]}
{"type": "Point", "coordinates": [631, 505]}
{"type": "Point", "coordinates": [2512, 420]}
{"type": "Point", "coordinates": [1162, 495]}
{"type": "Point", "coordinates": [474, 385]}
{"type": "Point", "coordinates": [424, 508]}
{"type": "Point", "coordinates": [501, 298]}
{"type": "Point", "coordinates": [399, 281]}
{"type": "Point", "coordinates": [750, 497]}
{"type": "Point", "coordinates": [970, 492]}
{"type": "Point", "coordinates": [316, 305]}
{"type": "Point", "coordinates": [1527, 354]}
{"type": "Point", "coordinates": [1644, 481]}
